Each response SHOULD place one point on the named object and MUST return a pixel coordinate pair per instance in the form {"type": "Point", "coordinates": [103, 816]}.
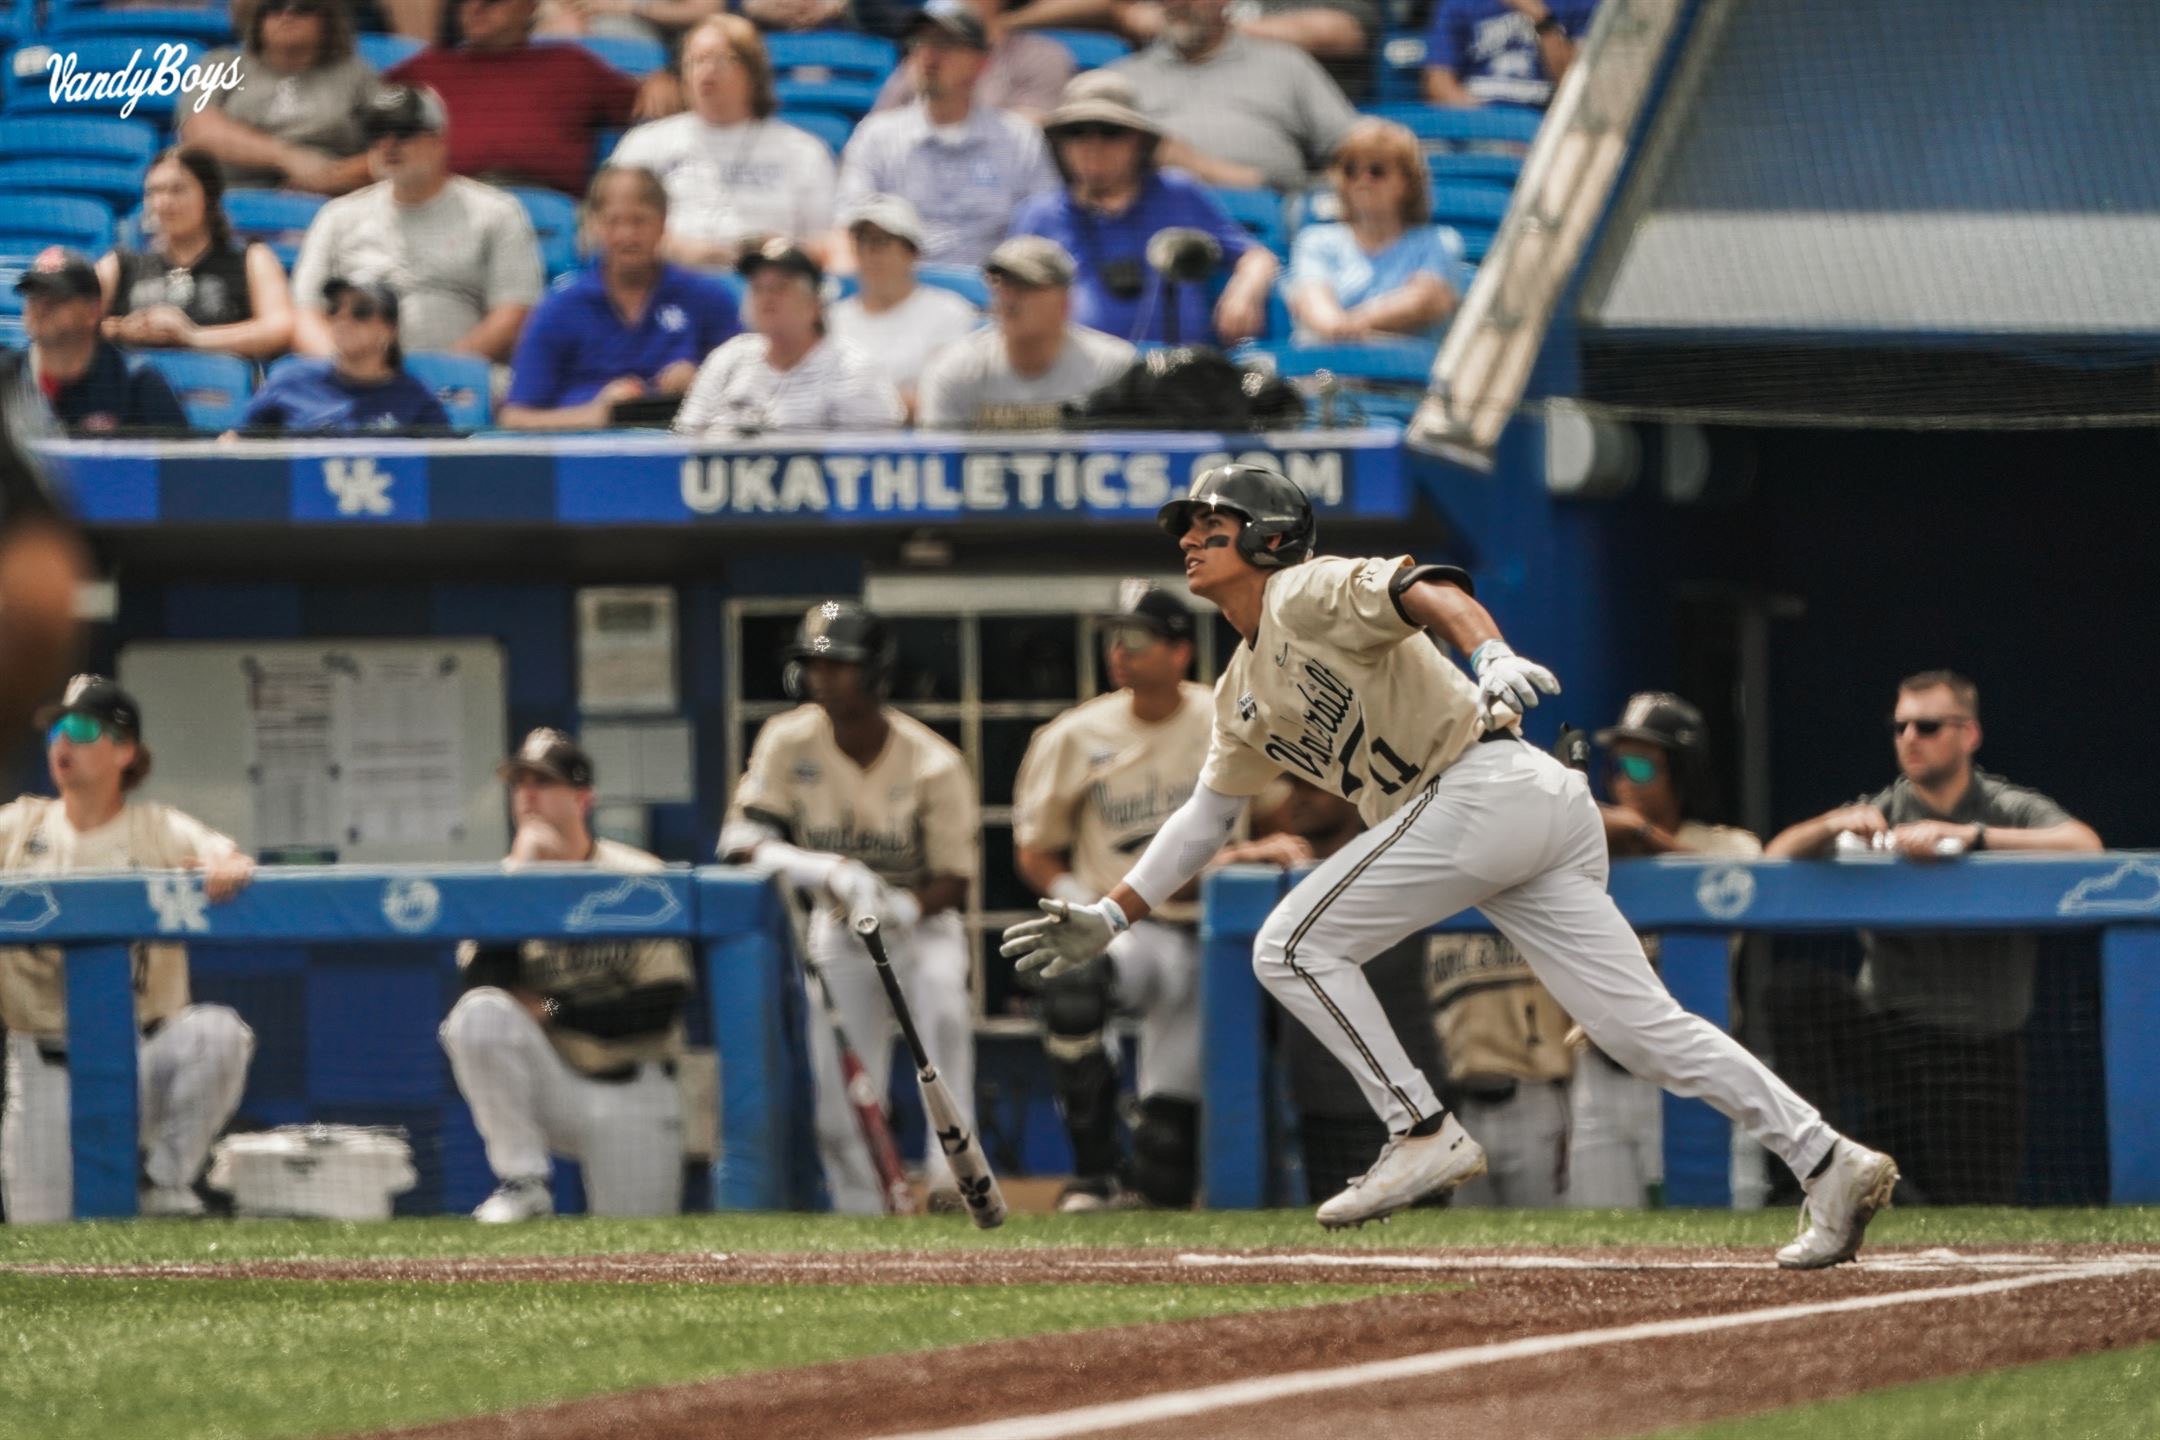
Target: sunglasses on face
{"type": "Point", "coordinates": [1638, 769]}
{"type": "Point", "coordinates": [357, 310]}
{"type": "Point", "coordinates": [77, 728]}
{"type": "Point", "coordinates": [1091, 132]}
{"type": "Point", "coordinates": [1132, 639]}
{"type": "Point", "coordinates": [1368, 170]}
{"type": "Point", "coordinates": [1928, 727]}
{"type": "Point", "coordinates": [295, 7]}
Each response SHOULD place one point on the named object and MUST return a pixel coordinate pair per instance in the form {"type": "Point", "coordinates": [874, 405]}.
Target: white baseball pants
{"type": "Point", "coordinates": [931, 962]}
{"type": "Point", "coordinates": [1526, 1147]}
{"type": "Point", "coordinates": [189, 1077]}
{"type": "Point", "coordinates": [1509, 830]}
{"type": "Point", "coordinates": [528, 1103]}
{"type": "Point", "coordinates": [1158, 983]}
{"type": "Point", "coordinates": [1618, 1149]}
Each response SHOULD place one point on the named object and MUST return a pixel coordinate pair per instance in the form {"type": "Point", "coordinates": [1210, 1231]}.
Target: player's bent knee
{"type": "Point", "coordinates": [485, 1015]}
{"type": "Point", "coordinates": [217, 1029]}
{"type": "Point", "coordinates": [1076, 1005]}
{"type": "Point", "coordinates": [1166, 1151]}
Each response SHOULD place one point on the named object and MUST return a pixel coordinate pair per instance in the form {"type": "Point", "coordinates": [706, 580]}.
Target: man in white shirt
{"type": "Point", "coordinates": [1016, 376]}
{"type": "Point", "coordinates": [460, 255]}
{"type": "Point", "coordinates": [785, 374]}
{"type": "Point", "coordinates": [893, 322]}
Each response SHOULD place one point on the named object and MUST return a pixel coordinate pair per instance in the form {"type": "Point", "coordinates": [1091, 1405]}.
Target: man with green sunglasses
{"type": "Point", "coordinates": [193, 1059]}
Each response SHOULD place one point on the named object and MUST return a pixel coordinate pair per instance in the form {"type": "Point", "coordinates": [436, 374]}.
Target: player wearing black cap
{"type": "Point", "coordinates": [569, 1048]}
{"type": "Point", "coordinates": [193, 1059]}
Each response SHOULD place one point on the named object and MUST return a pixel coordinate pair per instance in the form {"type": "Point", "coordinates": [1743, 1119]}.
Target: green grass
{"type": "Point", "coordinates": [2115, 1396]}
{"type": "Point", "coordinates": [179, 1359]}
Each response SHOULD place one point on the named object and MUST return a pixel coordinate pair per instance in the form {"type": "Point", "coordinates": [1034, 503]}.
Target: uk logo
{"type": "Point", "coordinates": [411, 906]}
{"type": "Point", "coordinates": [673, 319]}
{"type": "Point", "coordinates": [181, 906]}
{"type": "Point", "coordinates": [358, 487]}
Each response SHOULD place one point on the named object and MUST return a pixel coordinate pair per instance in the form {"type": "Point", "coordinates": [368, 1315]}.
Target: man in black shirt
{"type": "Point", "coordinates": [86, 381]}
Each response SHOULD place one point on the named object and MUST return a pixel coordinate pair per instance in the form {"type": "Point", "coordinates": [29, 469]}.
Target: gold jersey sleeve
{"type": "Point", "coordinates": [1495, 1021]}
{"type": "Point", "coordinates": [1336, 687]}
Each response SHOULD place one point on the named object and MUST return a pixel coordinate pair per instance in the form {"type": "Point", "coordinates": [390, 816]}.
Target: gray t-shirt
{"type": "Point", "coordinates": [318, 108]}
{"type": "Point", "coordinates": [451, 260]}
{"type": "Point", "coordinates": [970, 385]}
{"type": "Point", "coordinates": [1354, 73]}
{"type": "Point", "coordinates": [1253, 102]}
{"type": "Point", "coordinates": [1977, 985]}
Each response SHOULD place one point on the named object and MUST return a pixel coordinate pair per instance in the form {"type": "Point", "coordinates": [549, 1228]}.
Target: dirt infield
{"type": "Point", "coordinates": [1462, 1341]}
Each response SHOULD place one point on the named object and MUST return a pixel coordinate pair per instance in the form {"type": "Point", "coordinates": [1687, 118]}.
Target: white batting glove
{"type": "Point", "coordinates": [1505, 678]}
{"type": "Point", "coordinates": [857, 889]}
{"type": "Point", "coordinates": [1064, 937]}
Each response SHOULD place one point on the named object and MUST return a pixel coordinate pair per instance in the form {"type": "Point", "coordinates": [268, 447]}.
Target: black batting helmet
{"type": "Point", "coordinates": [840, 630]}
{"type": "Point", "coordinates": [1268, 502]}
{"type": "Point", "coordinates": [1657, 717]}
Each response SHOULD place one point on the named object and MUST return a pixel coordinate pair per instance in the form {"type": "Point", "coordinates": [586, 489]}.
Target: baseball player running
{"type": "Point", "coordinates": [193, 1060]}
{"type": "Point", "coordinates": [1095, 785]}
{"type": "Point", "coordinates": [1337, 680]}
{"type": "Point", "coordinates": [854, 801]}
{"type": "Point", "coordinates": [569, 1048]}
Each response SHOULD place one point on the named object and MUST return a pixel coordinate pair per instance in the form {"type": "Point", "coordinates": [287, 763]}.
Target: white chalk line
{"type": "Point", "coordinates": [1180, 1404]}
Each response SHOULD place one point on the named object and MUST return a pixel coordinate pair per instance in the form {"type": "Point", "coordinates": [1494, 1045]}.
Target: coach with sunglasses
{"type": "Point", "coordinates": [1934, 1028]}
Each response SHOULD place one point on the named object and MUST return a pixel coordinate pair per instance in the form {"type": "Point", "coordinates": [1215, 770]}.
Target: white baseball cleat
{"type": "Point", "coordinates": [1839, 1204]}
{"type": "Point", "coordinates": [1410, 1167]}
{"type": "Point", "coordinates": [168, 1201]}
{"type": "Point", "coordinates": [515, 1200]}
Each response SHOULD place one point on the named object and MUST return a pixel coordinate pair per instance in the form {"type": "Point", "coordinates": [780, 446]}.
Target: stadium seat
{"type": "Point", "coordinates": [963, 280]}
{"type": "Point", "coordinates": [28, 83]}
{"type": "Point", "coordinates": [1468, 202]}
{"type": "Point", "coordinates": [209, 24]}
{"type": "Point", "coordinates": [1481, 166]}
{"type": "Point", "coordinates": [634, 55]}
{"type": "Point", "coordinates": [828, 126]}
{"type": "Point", "coordinates": [78, 137]}
{"type": "Point", "coordinates": [849, 97]}
{"type": "Point", "coordinates": [1400, 75]}
{"type": "Point", "coordinates": [1089, 48]}
{"type": "Point", "coordinates": [384, 51]}
{"type": "Point", "coordinates": [604, 143]}
{"type": "Point", "coordinates": [31, 222]}
{"type": "Point", "coordinates": [459, 381]}
{"type": "Point", "coordinates": [1261, 212]}
{"type": "Point", "coordinates": [278, 218]}
{"type": "Point", "coordinates": [213, 388]}
{"type": "Point", "coordinates": [1487, 124]}
{"type": "Point", "coordinates": [11, 333]}
{"type": "Point", "coordinates": [554, 219]}
{"type": "Point", "coordinates": [823, 54]}
{"type": "Point", "coordinates": [12, 265]}
{"type": "Point", "coordinates": [115, 183]}
{"type": "Point", "coordinates": [1399, 362]}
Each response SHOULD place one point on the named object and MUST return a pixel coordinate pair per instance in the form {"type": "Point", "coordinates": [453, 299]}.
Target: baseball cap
{"type": "Point", "coordinates": [403, 110]}
{"type": "Point", "coordinates": [956, 19]}
{"type": "Point", "coordinates": [896, 215]}
{"type": "Point", "coordinates": [100, 699]}
{"type": "Point", "coordinates": [550, 753]}
{"type": "Point", "coordinates": [787, 255]}
{"type": "Point", "coordinates": [1657, 717]}
{"type": "Point", "coordinates": [1035, 260]}
{"type": "Point", "coordinates": [1141, 602]}
{"type": "Point", "coordinates": [59, 273]}
{"type": "Point", "coordinates": [385, 298]}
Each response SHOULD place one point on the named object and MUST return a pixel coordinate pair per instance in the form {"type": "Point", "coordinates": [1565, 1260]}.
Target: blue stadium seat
{"type": "Point", "coordinates": [966, 282]}
{"type": "Point", "coordinates": [604, 143]}
{"type": "Point", "coordinates": [833, 52]}
{"type": "Point", "coordinates": [278, 218]}
{"type": "Point", "coordinates": [29, 88]}
{"type": "Point", "coordinates": [384, 51]}
{"type": "Point", "coordinates": [80, 137]}
{"type": "Point", "coordinates": [1396, 362]}
{"type": "Point", "coordinates": [852, 98]}
{"type": "Point", "coordinates": [1469, 202]}
{"type": "Point", "coordinates": [31, 222]}
{"type": "Point", "coordinates": [1261, 212]}
{"type": "Point", "coordinates": [1487, 124]}
{"type": "Point", "coordinates": [634, 55]}
{"type": "Point", "coordinates": [209, 24]}
{"type": "Point", "coordinates": [11, 333]}
{"type": "Point", "coordinates": [459, 381]}
{"type": "Point", "coordinates": [1400, 75]}
{"type": "Point", "coordinates": [213, 388]}
{"type": "Point", "coordinates": [554, 217]}
{"type": "Point", "coordinates": [1089, 48]}
{"type": "Point", "coordinates": [116, 183]}
{"type": "Point", "coordinates": [1483, 166]}
{"type": "Point", "coordinates": [12, 265]}
{"type": "Point", "coordinates": [828, 126]}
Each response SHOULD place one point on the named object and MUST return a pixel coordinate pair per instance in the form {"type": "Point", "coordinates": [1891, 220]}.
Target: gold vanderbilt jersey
{"type": "Point", "coordinates": [1339, 689]}
{"type": "Point", "coordinates": [1496, 1022]}
{"type": "Point", "coordinates": [911, 815]}
{"type": "Point", "coordinates": [36, 838]}
{"type": "Point", "coordinates": [1098, 783]}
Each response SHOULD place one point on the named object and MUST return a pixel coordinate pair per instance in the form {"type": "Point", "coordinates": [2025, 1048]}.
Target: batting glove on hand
{"type": "Point", "coordinates": [1505, 678]}
{"type": "Point", "coordinates": [857, 888]}
{"type": "Point", "coordinates": [1065, 937]}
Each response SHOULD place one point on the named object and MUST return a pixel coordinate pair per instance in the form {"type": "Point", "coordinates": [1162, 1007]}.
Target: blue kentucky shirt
{"type": "Point", "coordinates": [1493, 48]}
{"type": "Point", "coordinates": [312, 397]}
{"type": "Point", "coordinates": [575, 341]}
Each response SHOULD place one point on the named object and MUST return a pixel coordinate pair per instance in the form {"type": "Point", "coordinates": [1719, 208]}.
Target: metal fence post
{"type": "Point", "coordinates": [2129, 999]}
{"type": "Point", "coordinates": [104, 1129]}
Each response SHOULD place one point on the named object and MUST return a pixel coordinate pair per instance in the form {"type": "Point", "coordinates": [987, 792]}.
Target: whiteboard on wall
{"type": "Point", "coordinates": [377, 751]}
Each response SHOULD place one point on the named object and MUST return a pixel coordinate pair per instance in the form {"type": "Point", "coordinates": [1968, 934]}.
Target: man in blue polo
{"type": "Point", "coordinates": [86, 381]}
{"type": "Point", "coordinates": [630, 327]}
{"type": "Point", "coordinates": [1115, 200]}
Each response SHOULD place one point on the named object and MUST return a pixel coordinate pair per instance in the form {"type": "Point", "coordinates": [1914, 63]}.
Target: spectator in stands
{"type": "Point", "coordinates": [1235, 111]}
{"type": "Point", "coordinates": [1933, 1031]}
{"type": "Point", "coordinates": [965, 167]}
{"type": "Point", "coordinates": [661, 20]}
{"type": "Point", "coordinates": [192, 1062]}
{"type": "Point", "coordinates": [1501, 52]}
{"type": "Point", "coordinates": [196, 290]}
{"type": "Point", "coordinates": [88, 384]}
{"type": "Point", "coordinates": [363, 386]}
{"type": "Point", "coordinates": [895, 322]}
{"type": "Point", "coordinates": [786, 375]}
{"type": "Point", "coordinates": [1026, 72]}
{"type": "Point", "coordinates": [1383, 271]}
{"type": "Point", "coordinates": [460, 255]}
{"type": "Point", "coordinates": [735, 176]}
{"type": "Point", "coordinates": [1341, 34]}
{"type": "Point", "coordinates": [1015, 376]}
{"type": "Point", "coordinates": [630, 326]}
{"type": "Point", "coordinates": [523, 114]}
{"type": "Point", "coordinates": [293, 122]}
{"type": "Point", "coordinates": [1115, 199]}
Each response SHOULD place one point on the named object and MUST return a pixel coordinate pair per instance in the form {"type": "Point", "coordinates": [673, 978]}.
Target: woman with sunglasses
{"type": "Point", "coordinates": [194, 288]}
{"type": "Point", "coordinates": [1384, 271]}
{"type": "Point", "coordinates": [363, 385]}
{"type": "Point", "coordinates": [294, 121]}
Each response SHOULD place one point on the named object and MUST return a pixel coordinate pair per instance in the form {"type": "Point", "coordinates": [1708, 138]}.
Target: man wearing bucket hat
{"type": "Point", "coordinates": [193, 1059]}
{"type": "Point", "coordinates": [1015, 374]}
{"type": "Point", "coordinates": [1115, 200]}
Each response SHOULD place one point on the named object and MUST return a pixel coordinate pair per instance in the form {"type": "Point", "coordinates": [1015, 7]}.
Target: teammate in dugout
{"type": "Point", "coordinates": [870, 809]}
{"type": "Point", "coordinates": [193, 1059]}
{"type": "Point", "coordinates": [1338, 680]}
{"type": "Point", "coordinates": [570, 1048]}
{"type": "Point", "coordinates": [1095, 785]}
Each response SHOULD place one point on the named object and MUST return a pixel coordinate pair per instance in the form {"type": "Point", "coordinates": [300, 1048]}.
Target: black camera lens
{"type": "Point", "coordinates": [1124, 278]}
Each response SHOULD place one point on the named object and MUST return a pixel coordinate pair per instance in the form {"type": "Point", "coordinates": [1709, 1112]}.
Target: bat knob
{"type": "Point", "coordinates": [866, 924]}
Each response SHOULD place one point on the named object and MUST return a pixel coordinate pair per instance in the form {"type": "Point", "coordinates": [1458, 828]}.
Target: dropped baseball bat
{"type": "Point", "coordinates": [862, 1097]}
{"type": "Point", "coordinates": [963, 1151]}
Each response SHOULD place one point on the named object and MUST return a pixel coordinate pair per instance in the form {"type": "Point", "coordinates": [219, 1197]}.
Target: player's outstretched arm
{"type": "Point", "coordinates": [1452, 613]}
